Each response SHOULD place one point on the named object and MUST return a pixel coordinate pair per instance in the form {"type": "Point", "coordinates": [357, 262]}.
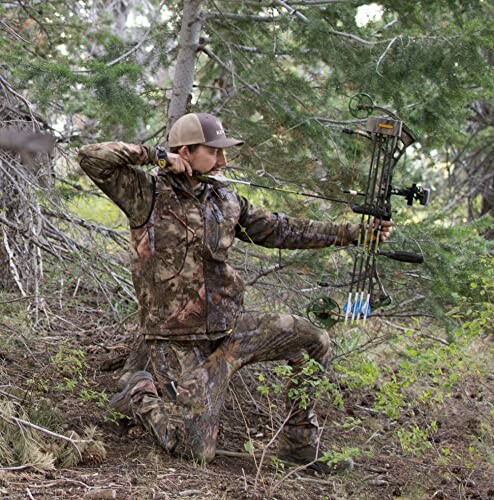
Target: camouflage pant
{"type": "Point", "coordinates": [201, 370]}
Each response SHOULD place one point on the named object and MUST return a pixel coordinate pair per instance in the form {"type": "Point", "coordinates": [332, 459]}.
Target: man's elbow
{"type": "Point", "coordinates": [92, 161]}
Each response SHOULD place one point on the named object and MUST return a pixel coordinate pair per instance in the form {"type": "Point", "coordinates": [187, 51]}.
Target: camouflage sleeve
{"type": "Point", "coordinates": [276, 230]}
{"type": "Point", "coordinates": [111, 167]}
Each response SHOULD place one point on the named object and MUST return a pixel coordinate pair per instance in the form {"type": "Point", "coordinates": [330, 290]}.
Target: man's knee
{"type": "Point", "coordinates": [314, 335]}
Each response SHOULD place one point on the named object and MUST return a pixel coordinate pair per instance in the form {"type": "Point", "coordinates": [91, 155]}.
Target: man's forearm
{"type": "Point", "coordinates": [318, 234]}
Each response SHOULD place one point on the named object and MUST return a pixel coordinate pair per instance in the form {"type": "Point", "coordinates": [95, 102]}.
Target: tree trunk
{"type": "Point", "coordinates": [184, 70]}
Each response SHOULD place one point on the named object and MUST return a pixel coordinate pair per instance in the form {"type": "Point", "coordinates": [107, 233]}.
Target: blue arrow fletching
{"type": "Point", "coordinates": [356, 308]}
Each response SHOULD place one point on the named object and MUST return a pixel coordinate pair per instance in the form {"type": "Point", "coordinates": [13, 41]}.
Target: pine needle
{"type": "Point", "coordinates": [23, 442]}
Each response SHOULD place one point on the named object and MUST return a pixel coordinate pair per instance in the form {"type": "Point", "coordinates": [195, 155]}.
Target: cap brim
{"type": "Point", "coordinates": [224, 143]}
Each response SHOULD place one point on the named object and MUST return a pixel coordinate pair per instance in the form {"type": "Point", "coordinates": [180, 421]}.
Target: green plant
{"type": "Point", "coordinates": [413, 439]}
{"type": "Point", "coordinates": [101, 398]}
{"type": "Point", "coordinates": [332, 457]}
{"type": "Point", "coordinates": [70, 362]}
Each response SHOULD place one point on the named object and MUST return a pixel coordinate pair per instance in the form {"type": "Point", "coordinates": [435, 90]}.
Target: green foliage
{"type": "Point", "coordinates": [414, 440]}
{"type": "Point", "coordinates": [100, 210]}
{"type": "Point", "coordinates": [73, 64]}
{"type": "Point", "coordinates": [70, 363]}
{"type": "Point", "coordinates": [357, 371]}
{"type": "Point", "coordinates": [249, 447]}
{"type": "Point", "coordinates": [390, 397]}
{"type": "Point", "coordinates": [417, 375]}
{"type": "Point", "coordinates": [106, 92]}
{"type": "Point", "coordinates": [101, 398]}
{"type": "Point", "coordinates": [453, 261]}
{"type": "Point", "coordinates": [302, 386]}
{"type": "Point", "coordinates": [333, 457]}
{"type": "Point", "coordinates": [476, 309]}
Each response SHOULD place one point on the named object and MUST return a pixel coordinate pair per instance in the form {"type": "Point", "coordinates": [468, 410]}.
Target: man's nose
{"type": "Point", "coordinates": [220, 158]}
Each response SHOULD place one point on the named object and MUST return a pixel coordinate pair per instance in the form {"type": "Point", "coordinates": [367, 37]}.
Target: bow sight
{"type": "Point", "coordinates": [414, 192]}
{"type": "Point", "coordinates": [389, 137]}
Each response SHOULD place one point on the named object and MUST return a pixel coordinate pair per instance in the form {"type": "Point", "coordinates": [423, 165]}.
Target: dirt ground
{"type": "Point", "coordinates": [135, 468]}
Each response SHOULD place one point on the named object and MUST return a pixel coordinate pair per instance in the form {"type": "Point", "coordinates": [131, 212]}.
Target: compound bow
{"type": "Point", "coordinates": [389, 138]}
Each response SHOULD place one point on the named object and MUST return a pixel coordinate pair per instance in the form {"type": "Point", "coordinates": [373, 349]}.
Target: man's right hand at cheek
{"type": "Point", "coordinates": [177, 165]}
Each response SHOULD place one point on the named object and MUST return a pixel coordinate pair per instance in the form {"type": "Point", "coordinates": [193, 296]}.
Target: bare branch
{"type": "Point", "coordinates": [355, 38]}
{"type": "Point", "coordinates": [291, 10]}
{"type": "Point", "coordinates": [383, 55]}
{"type": "Point", "coordinates": [273, 269]}
{"type": "Point", "coordinates": [315, 3]}
{"type": "Point", "coordinates": [240, 17]}
{"type": "Point", "coordinates": [298, 3]}
{"type": "Point", "coordinates": [14, 33]}
{"type": "Point", "coordinates": [28, 105]}
{"type": "Point", "coordinates": [138, 45]}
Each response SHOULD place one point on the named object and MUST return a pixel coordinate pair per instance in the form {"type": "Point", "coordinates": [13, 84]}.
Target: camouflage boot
{"type": "Point", "coordinates": [140, 401]}
{"type": "Point", "coordinates": [298, 446]}
{"type": "Point", "coordinates": [138, 359]}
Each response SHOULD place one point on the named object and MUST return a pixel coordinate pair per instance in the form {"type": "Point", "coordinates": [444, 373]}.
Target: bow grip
{"type": "Point", "coordinates": [414, 258]}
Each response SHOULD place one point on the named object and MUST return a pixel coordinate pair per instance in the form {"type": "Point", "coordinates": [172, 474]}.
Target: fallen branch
{"type": "Point", "coordinates": [19, 467]}
{"type": "Point", "coordinates": [20, 421]}
{"type": "Point", "coordinates": [18, 299]}
{"type": "Point", "coordinates": [236, 454]}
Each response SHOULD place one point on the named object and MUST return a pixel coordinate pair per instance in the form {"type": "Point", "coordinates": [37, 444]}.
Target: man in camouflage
{"type": "Point", "coordinates": [195, 334]}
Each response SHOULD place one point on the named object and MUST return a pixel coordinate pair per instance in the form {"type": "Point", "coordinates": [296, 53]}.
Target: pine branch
{"type": "Point", "coordinates": [356, 38]}
{"type": "Point", "coordinates": [14, 33]}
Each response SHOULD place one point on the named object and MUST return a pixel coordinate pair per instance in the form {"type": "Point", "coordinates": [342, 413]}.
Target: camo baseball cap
{"type": "Point", "coordinates": [200, 128]}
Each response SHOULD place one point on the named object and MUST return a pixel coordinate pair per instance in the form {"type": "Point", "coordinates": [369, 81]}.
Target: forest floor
{"type": "Point", "coordinates": [72, 364]}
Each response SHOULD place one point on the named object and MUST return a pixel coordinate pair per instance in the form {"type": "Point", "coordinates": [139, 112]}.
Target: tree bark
{"type": "Point", "coordinates": [183, 80]}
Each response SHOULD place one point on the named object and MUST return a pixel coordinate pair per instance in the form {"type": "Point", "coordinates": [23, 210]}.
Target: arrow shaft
{"type": "Point", "coordinates": [221, 178]}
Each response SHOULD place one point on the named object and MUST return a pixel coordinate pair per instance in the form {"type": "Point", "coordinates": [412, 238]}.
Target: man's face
{"type": "Point", "coordinates": [205, 159]}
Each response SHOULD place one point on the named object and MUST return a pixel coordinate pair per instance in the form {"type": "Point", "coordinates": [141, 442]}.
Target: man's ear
{"type": "Point", "coordinates": [184, 152]}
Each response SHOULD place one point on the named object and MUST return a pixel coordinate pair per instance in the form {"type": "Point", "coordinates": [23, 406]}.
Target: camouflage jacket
{"type": "Point", "coordinates": [180, 241]}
